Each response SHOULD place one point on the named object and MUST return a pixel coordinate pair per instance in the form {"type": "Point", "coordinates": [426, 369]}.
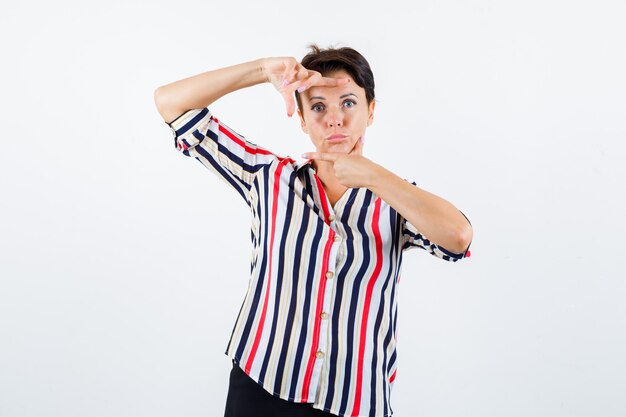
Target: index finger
{"type": "Point", "coordinates": [325, 156]}
{"type": "Point", "coordinates": [331, 82]}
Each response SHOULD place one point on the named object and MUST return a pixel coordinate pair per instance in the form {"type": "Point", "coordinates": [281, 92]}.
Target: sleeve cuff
{"type": "Point", "coordinates": [185, 128]}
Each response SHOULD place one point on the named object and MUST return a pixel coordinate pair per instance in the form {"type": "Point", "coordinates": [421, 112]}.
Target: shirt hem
{"type": "Point", "coordinates": [256, 379]}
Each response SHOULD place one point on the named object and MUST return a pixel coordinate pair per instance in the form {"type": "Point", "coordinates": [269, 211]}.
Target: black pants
{"type": "Point", "coordinates": [246, 398]}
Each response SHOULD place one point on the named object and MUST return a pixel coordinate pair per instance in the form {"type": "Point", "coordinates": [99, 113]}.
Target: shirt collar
{"type": "Point", "coordinates": [302, 162]}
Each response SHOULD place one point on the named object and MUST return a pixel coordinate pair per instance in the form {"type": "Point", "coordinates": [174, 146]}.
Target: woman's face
{"type": "Point", "coordinates": [341, 110]}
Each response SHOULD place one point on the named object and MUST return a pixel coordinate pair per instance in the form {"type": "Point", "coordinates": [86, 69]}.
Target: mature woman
{"type": "Point", "coordinates": [316, 333]}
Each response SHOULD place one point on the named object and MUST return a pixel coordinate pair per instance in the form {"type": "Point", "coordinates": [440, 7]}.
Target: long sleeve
{"type": "Point", "coordinates": [413, 238]}
{"type": "Point", "coordinates": [227, 153]}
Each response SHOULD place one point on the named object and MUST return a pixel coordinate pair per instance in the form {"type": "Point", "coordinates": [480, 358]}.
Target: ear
{"type": "Point", "coordinates": [302, 123]}
{"type": "Point", "coordinates": [370, 120]}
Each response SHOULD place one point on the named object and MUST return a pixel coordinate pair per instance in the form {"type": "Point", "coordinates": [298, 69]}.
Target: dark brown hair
{"type": "Point", "coordinates": [327, 61]}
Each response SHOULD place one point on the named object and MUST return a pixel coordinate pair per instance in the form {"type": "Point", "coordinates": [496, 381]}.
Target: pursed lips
{"type": "Point", "coordinates": [336, 137]}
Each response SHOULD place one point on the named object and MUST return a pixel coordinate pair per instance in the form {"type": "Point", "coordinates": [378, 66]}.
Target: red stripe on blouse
{"type": "Point", "coordinates": [393, 376]}
{"type": "Point", "coordinates": [242, 143]}
{"type": "Point", "coordinates": [259, 330]}
{"type": "Point", "coordinates": [318, 318]}
{"type": "Point", "coordinates": [366, 306]}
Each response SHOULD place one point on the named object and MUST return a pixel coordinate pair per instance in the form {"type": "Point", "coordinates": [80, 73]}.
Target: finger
{"type": "Point", "coordinates": [288, 74]}
{"type": "Point", "coordinates": [317, 80]}
{"type": "Point", "coordinates": [302, 73]}
{"type": "Point", "coordinates": [332, 82]}
{"type": "Point", "coordinates": [298, 78]}
{"type": "Point", "coordinates": [306, 83]}
{"type": "Point", "coordinates": [290, 102]}
{"type": "Point", "coordinates": [324, 156]}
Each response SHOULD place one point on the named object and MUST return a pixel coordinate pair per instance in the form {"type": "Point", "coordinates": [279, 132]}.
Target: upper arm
{"type": "Point", "coordinates": [167, 112]}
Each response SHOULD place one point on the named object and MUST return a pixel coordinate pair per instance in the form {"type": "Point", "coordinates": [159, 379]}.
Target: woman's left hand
{"type": "Point", "coordinates": [352, 169]}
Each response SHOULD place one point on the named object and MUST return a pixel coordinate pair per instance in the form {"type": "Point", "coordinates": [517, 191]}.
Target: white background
{"type": "Point", "coordinates": [123, 263]}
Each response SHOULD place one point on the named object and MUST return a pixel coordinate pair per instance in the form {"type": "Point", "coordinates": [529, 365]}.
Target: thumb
{"type": "Point", "coordinates": [290, 103]}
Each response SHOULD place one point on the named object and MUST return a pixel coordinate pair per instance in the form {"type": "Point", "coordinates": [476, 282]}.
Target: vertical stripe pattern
{"type": "Point", "coordinates": [318, 323]}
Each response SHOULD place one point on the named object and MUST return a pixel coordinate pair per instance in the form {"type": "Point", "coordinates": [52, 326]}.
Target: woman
{"type": "Point", "coordinates": [316, 333]}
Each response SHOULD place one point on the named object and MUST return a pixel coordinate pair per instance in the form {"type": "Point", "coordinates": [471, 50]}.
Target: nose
{"type": "Point", "coordinates": [334, 118]}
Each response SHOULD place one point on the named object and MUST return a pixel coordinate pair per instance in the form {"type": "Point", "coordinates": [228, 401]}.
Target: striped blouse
{"type": "Point", "coordinates": [318, 322]}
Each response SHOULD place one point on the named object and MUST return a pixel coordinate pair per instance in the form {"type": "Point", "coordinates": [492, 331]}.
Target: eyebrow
{"type": "Point", "coordinates": [324, 98]}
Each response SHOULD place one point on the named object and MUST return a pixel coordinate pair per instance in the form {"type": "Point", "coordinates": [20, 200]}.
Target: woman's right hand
{"type": "Point", "coordinates": [287, 75]}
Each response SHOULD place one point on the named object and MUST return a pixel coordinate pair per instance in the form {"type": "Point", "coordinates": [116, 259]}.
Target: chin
{"type": "Point", "coordinates": [340, 146]}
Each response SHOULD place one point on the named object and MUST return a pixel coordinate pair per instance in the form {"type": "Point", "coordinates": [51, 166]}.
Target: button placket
{"type": "Point", "coordinates": [328, 291]}
{"type": "Point", "coordinates": [332, 261]}
{"type": "Point", "coordinates": [339, 257]}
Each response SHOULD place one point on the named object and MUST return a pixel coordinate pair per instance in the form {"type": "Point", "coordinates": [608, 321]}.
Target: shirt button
{"type": "Point", "coordinates": [319, 354]}
{"type": "Point", "coordinates": [331, 218]}
{"type": "Point", "coordinates": [329, 274]}
{"type": "Point", "coordinates": [337, 238]}
{"type": "Point", "coordinates": [324, 315]}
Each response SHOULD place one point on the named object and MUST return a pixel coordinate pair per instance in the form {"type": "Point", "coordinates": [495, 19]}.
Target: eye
{"type": "Point", "coordinates": [348, 103]}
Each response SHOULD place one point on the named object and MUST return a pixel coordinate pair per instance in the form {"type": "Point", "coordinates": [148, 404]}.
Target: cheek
{"type": "Point", "coordinates": [316, 130]}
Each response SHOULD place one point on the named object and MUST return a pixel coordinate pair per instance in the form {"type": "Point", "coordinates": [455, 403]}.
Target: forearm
{"type": "Point", "coordinates": [203, 89]}
{"type": "Point", "coordinates": [437, 219]}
